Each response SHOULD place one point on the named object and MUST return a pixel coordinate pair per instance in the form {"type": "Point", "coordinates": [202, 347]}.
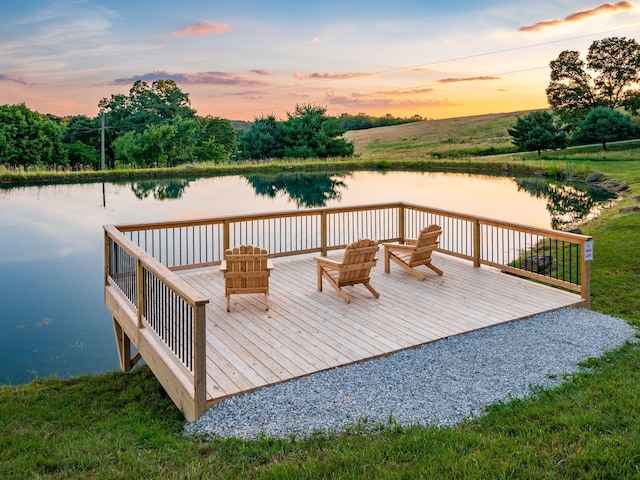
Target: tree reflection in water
{"type": "Point", "coordinates": [165, 189]}
{"type": "Point", "coordinates": [567, 203]}
{"type": "Point", "coordinates": [305, 189]}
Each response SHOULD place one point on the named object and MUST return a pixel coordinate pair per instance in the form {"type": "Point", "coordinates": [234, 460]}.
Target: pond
{"type": "Point", "coordinates": [52, 317]}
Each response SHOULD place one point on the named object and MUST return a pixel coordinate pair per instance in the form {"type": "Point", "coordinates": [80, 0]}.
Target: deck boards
{"type": "Point", "coordinates": [306, 331]}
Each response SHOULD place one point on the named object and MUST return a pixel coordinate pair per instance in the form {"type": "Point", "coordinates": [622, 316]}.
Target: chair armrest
{"type": "Point", "coordinates": [399, 247]}
{"type": "Point", "coordinates": [223, 266]}
{"type": "Point", "coordinates": [328, 262]}
{"type": "Point", "coordinates": [269, 264]}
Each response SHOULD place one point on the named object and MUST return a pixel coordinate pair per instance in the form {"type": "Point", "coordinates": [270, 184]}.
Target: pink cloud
{"type": "Point", "coordinates": [201, 29]}
{"type": "Point", "coordinates": [328, 76]}
{"type": "Point", "coordinates": [371, 101]}
{"type": "Point", "coordinates": [603, 9]}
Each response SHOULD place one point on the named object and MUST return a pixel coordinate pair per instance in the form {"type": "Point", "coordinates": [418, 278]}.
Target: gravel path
{"type": "Point", "coordinates": [440, 383]}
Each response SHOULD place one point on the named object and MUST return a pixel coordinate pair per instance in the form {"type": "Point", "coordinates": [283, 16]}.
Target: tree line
{"type": "Point", "coordinates": [155, 126]}
{"type": "Point", "coordinates": [592, 101]}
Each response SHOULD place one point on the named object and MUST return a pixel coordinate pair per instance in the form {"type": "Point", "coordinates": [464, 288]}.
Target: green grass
{"type": "Point", "coordinates": [124, 426]}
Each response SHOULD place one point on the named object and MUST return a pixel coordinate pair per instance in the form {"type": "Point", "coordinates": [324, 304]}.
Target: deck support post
{"type": "Point", "coordinates": [124, 347]}
{"type": "Point", "coordinates": [476, 243]}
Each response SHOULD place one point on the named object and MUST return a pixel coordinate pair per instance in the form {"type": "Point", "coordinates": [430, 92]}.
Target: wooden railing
{"type": "Point", "coordinates": [162, 315]}
{"type": "Point", "coordinates": [140, 260]}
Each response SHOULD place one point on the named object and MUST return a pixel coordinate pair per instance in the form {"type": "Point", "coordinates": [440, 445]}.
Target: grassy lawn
{"type": "Point", "coordinates": [124, 426]}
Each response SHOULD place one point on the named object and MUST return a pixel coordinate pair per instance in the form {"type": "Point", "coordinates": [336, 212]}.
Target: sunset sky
{"type": "Point", "coordinates": [243, 59]}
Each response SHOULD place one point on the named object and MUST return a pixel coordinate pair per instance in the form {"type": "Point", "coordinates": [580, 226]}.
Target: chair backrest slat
{"type": "Point", "coordinates": [425, 244]}
{"type": "Point", "coordinates": [358, 259]}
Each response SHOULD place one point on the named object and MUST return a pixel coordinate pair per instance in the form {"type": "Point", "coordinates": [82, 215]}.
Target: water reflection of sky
{"type": "Point", "coordinates": [61, 220]}
{"type": "Point", "coordinates": [52, 316]}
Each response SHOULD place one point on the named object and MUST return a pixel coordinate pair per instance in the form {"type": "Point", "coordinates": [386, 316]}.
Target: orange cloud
{"type": "Point", "coordinates": [360, 101]}
{"type": "Point", "coordinates": [327, 76]}
{"type": "Point", "coordinates": [201, 29]}
{"type": "Point", "coordinates": [413, 91]}
{"type": "Point", "coordinates": [467, 79]}
{"type": "Point", "coordinates": [605, 8]}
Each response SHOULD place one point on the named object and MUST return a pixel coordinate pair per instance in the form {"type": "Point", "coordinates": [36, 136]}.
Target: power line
{"type": "Point", "coordinates": [421, 65]}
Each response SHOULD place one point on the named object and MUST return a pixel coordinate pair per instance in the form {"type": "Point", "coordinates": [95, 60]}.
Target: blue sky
{"type": "Point", "coordinates": [244, 59]}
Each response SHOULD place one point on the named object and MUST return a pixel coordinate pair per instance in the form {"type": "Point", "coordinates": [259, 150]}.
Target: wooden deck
{"type": "Point", "coordinates": [306, 331]}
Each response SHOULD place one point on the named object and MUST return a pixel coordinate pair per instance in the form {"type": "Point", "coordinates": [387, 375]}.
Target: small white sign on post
{"type": "Point", "coordinates": [588, 250]}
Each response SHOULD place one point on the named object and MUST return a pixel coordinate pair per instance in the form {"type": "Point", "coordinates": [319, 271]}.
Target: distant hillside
{"type": "Point", "coordinates": [451, 137]}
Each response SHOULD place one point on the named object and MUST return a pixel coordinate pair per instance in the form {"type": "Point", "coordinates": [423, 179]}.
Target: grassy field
{"type": "Point", "coordinates": [124, 426]}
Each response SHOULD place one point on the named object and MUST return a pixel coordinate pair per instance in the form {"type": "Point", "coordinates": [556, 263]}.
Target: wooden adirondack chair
{"type": "Point", "coordinates": [246, 269]}
{"type": "Point", "coordinates": [415, 252]}
{"type": "Point", "coordinates": [355, 268]}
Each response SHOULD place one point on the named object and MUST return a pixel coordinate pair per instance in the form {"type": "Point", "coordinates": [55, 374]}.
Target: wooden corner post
{"type": "Point", "coordinates": [200, 359]}
{"type": "Point", "coordinates": [585, 279]}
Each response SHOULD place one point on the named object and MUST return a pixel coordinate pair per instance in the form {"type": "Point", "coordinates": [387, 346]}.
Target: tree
{"type": "Point", "coordinates": [264, 139]}
{"type": "Point", "coordinates": [607, 79]}
{"type": "Point", "coordinates": [81, 139]}
{"type": "Point", "coordinates": [29, 138]}
{"type": "Point", "coordinates": [308, 133]}
{"type": "Point", "coordinates": [537, 131]}
{"type": "Point", "coordinates": [604, 125]}
{"type": "Point", "coordinates": [147, 149]}
{"type": "Point", "coordinates": [145, 105]}
{"type": "Point", "coordinates": [221, 131]}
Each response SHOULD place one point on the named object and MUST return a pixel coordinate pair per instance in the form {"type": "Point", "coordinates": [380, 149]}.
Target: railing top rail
{"type": "Point", "coordinates": [250, 217]}
{"type": "Point", "coordinates": [547, 232]}
{"type": "Point", "coordinates": [182, 288]}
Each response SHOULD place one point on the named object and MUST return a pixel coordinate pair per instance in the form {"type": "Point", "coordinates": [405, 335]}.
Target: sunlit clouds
{"type": "Point", "coordinates": [242, 60]}
{"type": "Point", "coordinates": [467, 79]}
{"type": "Point", "coordinates": [199, 78]}
{"type": "Point", "coordinates": [201, 29]}
{"type": "Point", "coordinates": [327, 76]}
{"type": "Point", "coordinates": [604, 9]}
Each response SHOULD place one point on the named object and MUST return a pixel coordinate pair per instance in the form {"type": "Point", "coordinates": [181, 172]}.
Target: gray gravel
{"type": "Point", "coordinates": [441, 383]}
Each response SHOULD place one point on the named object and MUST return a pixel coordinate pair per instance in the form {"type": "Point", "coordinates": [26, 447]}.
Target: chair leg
{"type": "Point", "coordinates": [434, 268]}
{"type": "Point", "coordinates": [228, 303]}
{"type": "Point", "coordinates": [335, 286]}
{"type": "Point", "coordinates": [372, 290]}
{"type": "Point", "coordinates": [406, 267]}
{"type": "Point", "coordinates": [319, 278]}
{"type": "Point", "coordinates": [343, 295]}
{"type": "Point", "coordinates": [266, 301]}
{"type": "Point", "coordinates": [387, 267]}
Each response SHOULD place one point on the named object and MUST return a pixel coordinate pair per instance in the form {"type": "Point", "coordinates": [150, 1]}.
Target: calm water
{"type": "Point", "coordinates": [52, 317]}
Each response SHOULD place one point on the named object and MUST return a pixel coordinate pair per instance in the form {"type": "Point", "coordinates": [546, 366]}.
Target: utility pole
{"type": "Point", "coordinates": [102, 165]}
